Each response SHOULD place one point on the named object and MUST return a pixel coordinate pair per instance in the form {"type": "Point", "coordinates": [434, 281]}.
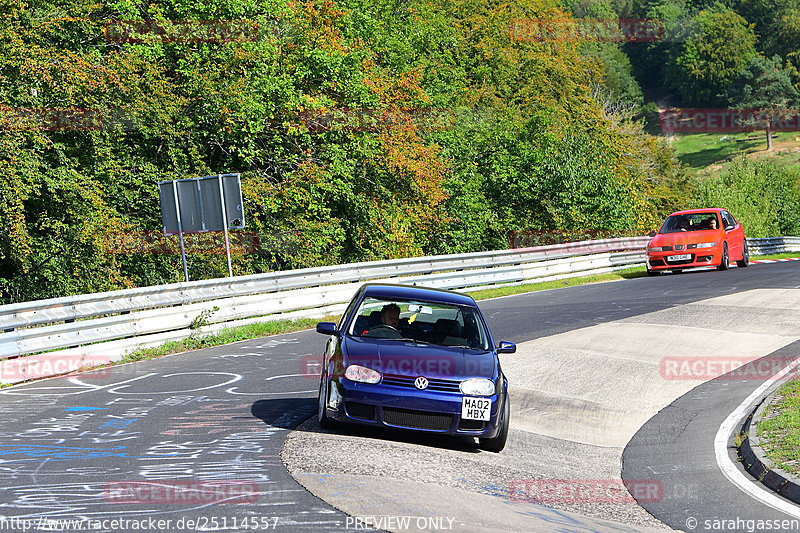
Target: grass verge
{"type": "Point", "coordinates": [777, 256]}
{"type": "Point", "coordinates": [708, 154]}
{"type": "Point", "coordinates": [277, 327]}
{"type": "Point", "coordinates": [262, 329]}
{"type": "Point", "coordinates": [779, 428]}
{"type": "Point", "coordinates": [700, 150]}
{"type": "Point", "coordinates": [225, 336]}
{"type": "Point", "coordinates": [633, 272]}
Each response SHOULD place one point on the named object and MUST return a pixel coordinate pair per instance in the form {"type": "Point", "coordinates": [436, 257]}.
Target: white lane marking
{"type": "Point", "coordinates": [727, 466]}
{"type": "Point", "coordinates": [81, 386]}
{"type": "Point", "coordinates": [288, 376]}
{"type": "Point", "coordinates": [234, 378]}
{"type": "Point", "coordinates": [233, 390]}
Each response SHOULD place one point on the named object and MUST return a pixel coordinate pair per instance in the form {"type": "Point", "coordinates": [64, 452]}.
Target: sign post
{"type": "Point", "coordinates": [210, 203]}
{"type": "Point", "coordinates": [225, 225]}
{"type": "Point", "coordinates": [180, 229]}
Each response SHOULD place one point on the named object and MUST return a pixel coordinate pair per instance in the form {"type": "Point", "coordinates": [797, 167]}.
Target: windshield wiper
{"type": "Point", "coordinates": [401, 339]}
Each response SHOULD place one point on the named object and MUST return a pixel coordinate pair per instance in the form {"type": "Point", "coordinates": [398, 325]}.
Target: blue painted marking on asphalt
{"type": "Point", "coordinates": [118, 423]}
{"type": "Point", "coordinates": [70, 409]}
{"type": "Point", "coordinates": [65, 453]}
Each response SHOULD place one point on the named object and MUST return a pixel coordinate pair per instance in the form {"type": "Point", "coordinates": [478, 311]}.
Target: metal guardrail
{"type": "Point", "coordinates": [773, 245]}
{"type": "Point", "coordinates": [114, 323]}
{"type": "Point", "coordinates": [77, 321]}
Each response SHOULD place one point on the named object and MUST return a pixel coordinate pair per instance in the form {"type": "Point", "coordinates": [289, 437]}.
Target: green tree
{"type": "Point", "coordinates": [717, 46]}
{"type": "Point", "coordinates": [650, 60]}
{"type": "Point", "coordinates": [765, 89]}
{"type": "Point", "coordinates": [776, 22]}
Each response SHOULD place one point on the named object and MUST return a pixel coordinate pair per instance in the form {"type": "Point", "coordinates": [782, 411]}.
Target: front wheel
{"type": "Point", "coordinates": [723, 265]}
{"type": "Point", "coordinates": [322, 413]}
{"type": "Point", "coordinates": [745, 256]}
{"type": "Point", "coordinates": [496, 444]}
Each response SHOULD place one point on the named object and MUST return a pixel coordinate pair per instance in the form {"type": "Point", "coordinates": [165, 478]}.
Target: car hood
{"type": "Point", "coordinates": [685, 237]}
{"type": "Point", "coordinates": [413, 360]}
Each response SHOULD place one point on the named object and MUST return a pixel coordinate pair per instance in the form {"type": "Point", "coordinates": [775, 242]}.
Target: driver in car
{"type": "Point", "coordinates": [390, 315]}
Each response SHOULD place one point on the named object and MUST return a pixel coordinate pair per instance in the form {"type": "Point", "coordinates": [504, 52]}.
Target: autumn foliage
{"type": "Point", "coordinates": [479, 132]}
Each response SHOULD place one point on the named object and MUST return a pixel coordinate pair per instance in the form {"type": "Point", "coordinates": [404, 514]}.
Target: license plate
{"type": "Point", "coordinates": [475, 408]}
{"type": "Point", "coordinates": [681, 257]}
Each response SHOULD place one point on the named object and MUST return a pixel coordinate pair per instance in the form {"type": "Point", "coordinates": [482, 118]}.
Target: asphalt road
{"type": "Point", "coordinates": [676, 447]}
{"type": "Point", "coordinates": [186, 437]}
{"type": "Point", "coordinates": [528, 316]}
{"type": "Point", "coordinates": [193, 436]}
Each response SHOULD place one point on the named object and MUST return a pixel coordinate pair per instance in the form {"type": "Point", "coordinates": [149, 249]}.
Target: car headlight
{"type": "Point", "coordinates": [362, 374]}
{"type": "Point", "coordinates": [659, 248]}
{"type": "Point", "coordinates": [706, 245]}
{"type": "Point", "coordinates": [477, 387]}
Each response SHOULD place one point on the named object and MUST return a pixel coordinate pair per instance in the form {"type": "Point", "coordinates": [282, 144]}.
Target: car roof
{"type": "Point", "coordinates": [693, 211]}
{"type": "Point", "coordinates": [388, 291]}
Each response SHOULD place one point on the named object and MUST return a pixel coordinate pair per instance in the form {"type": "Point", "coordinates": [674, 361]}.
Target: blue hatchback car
{"type": "Point", "coordinates": [415, 358]}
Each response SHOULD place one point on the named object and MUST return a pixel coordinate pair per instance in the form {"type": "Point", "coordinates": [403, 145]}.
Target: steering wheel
{"type": "Point", "coordinates": [382, 330]}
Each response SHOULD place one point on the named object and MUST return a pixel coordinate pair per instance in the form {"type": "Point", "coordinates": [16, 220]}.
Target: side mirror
{"type": "Point", "coordinates": [728, 228]}
{"type": "Point", "coordinates": [506, 347]}
{"type": "Point", "coordinates": [327, 328]}
{"type": "Point", "coordinates": [651, 234]}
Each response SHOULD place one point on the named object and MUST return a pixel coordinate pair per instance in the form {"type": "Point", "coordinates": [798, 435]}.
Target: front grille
{"type": "Point", "coordinates": [439, 385]}
{"type": "Point", "coordinates": [417, 419]}
{"type": "Point", "coordinates": [472, 425]}
{"type": "Point", "coordinates": [360, 410]}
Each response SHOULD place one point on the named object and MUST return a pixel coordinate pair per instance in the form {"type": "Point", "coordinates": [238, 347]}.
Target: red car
{"type": "Point", "coordinates": [697, 238]}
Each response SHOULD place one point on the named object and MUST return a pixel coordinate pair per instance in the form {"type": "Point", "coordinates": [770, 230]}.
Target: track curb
{"type": "Point", "coordinates": [754, 460]}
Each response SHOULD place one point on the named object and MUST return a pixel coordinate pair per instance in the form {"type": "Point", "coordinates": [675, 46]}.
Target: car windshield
{"type": "Point", "coordinates": [420, 322]}
{"type": "Point", "coordinates": [690, 222]}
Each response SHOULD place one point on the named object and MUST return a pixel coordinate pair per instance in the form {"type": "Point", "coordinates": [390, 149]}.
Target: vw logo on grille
{"type": "Point", "coordinates": [421, 383]}
{"type": "Point", "coordinates": [679, 247]}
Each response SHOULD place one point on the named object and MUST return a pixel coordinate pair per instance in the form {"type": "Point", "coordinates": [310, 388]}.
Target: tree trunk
{"type": "Point", "coordinates": [769, 140]}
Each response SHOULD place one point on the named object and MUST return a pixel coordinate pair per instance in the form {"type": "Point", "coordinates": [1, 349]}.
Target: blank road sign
{"type": "Point", "coordinates": [199, 200]}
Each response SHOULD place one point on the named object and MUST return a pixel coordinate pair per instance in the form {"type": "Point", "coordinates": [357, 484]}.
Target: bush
{"type": "Point", "coordinates": [763, 196]}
